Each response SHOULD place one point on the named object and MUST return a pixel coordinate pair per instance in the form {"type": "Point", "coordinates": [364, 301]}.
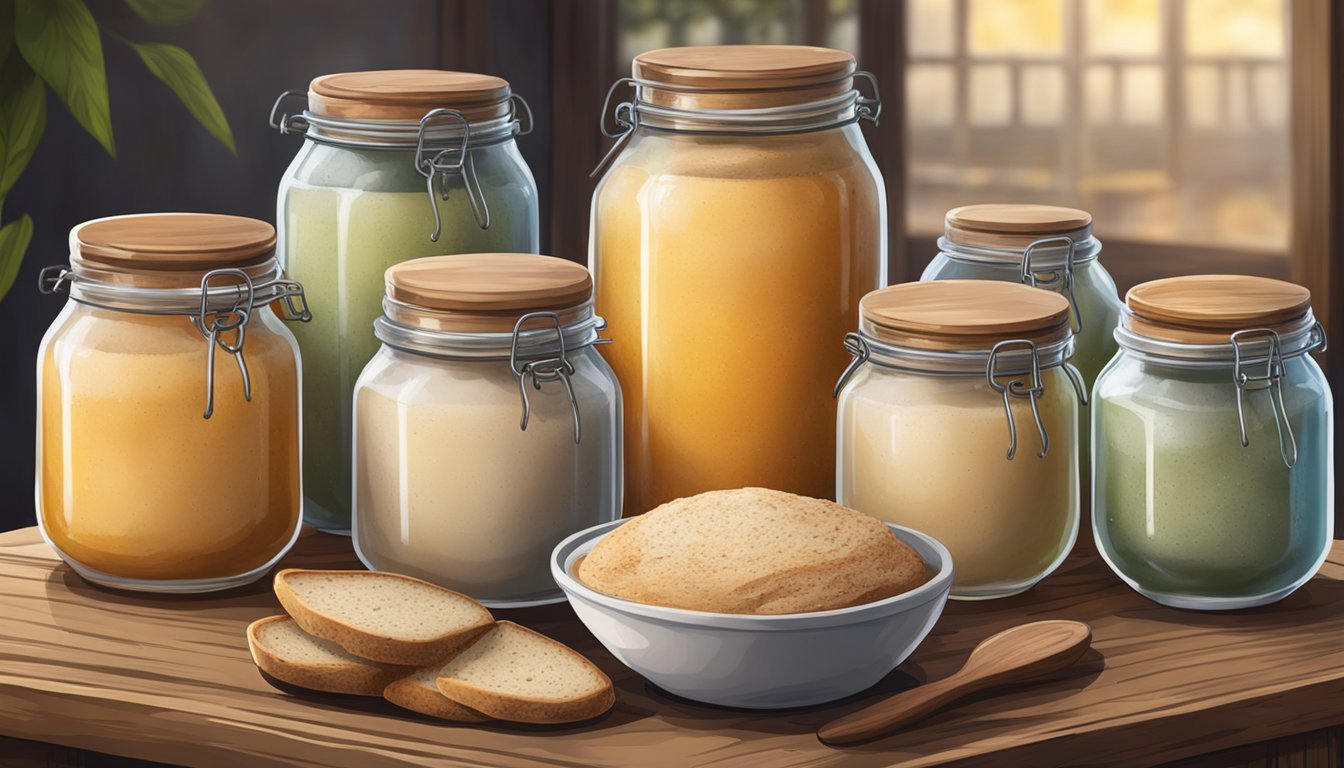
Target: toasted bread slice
{"type": "Point", "coordinates": [382, 616]}
{"type": "Point", "coordinates": [285, 652]}
{"type": "Point", "coordinates": [419, 692]}
{"type": "Point", "coordinates": [513, 673]}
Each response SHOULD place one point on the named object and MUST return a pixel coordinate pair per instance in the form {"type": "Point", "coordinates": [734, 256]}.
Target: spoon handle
{"type": "Point", "coordinates": [896, 712]}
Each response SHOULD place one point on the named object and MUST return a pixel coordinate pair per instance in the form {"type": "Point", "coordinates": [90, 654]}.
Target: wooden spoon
{"type": "Point", "coordinates": [1022, 654]}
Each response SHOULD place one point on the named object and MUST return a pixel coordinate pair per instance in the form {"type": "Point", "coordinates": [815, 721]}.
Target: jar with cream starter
{"type": "Point", "coordinates": [487, 426]}
{"type": "Point", "coordinates": [168, 404]}
{"type": "Point", "coordinates": [959, 417]}
{"type": "Point", "coordinates": [1213, 459]}
{"type": "Point", "coordinates": [740, 188]}
{"type": "Point", "coordinates": [394, 165]}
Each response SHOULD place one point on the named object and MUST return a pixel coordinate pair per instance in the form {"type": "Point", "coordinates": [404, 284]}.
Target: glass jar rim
{"type": "Point", "coordinates": [1044, 258]}
{"type": "Point", "coordinates": [1302, 336]}
{"type": "Point", "coordinates": [183, 292]}
{"type": "Point", "coordinates": [402, 135]}
{"type": "Point", "coordinates": [411, 328]}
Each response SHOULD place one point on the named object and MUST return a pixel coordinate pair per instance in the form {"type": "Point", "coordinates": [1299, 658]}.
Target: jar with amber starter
{"type": "Point", "coordinates": [168, 404]}
{"type": "Point", "coordinates": [487, 427]}
{"type": "Point", "coordinates": [395, 165]}
{"type": "Point", "coordinates": [959, 417]}
{"type": "Point", "coordinates": [1213, 464]}
{"type": "Point", "coordinates": [733, 235]}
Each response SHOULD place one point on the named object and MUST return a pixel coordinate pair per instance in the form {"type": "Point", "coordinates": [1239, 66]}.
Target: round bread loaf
{"type": "Point", "coordinates": [752, 551]}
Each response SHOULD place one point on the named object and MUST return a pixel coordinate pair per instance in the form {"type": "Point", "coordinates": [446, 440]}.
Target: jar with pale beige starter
{"type": "Point", "coordinates": [741, 220]}
{"type": "Point", "coordinates": [168, 404]}
{"type": "Point", "coordinates": [487, 426]}
{"type": "Point", "coordinates": [958, 417]}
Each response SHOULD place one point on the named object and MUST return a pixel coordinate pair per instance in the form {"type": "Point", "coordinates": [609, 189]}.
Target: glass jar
{"type": "Point", "coordinates": [1213, 484]}
{"type": "Point", "coordinates": [168, 404]}
{"type": "Point", "coordinates": [738, 226]}
{"type": "Point", "coordinates": [487, 427]}
{"type": "Point", "coordinates": [959, 417]}
{"type": "Point", "coordinates": [395, 165]}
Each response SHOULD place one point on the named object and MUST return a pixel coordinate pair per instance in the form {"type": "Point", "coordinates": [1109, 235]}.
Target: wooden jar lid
{"type": "Point", "coordinates": [172, 242]}
{"type": "Point", "coordinates": [964, 314]}
{"type": "Point", "coordinates": [488, 292]}
{"type": "Point", "coordinates": [407, 94]}
{"type": "Point", "coordinates": [742, 76]}
{"type": "Point", "coordinates": [1010, 225]}
{"type": "Point", "coordinates": [1208, 309]}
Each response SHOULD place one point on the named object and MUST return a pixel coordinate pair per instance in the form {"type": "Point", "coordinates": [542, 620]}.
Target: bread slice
{"type": "Point", "coordinates": [513, 673]}
{"type": "Point", "coordinates": [284, 651]}
{"type": "Point", "coordinates": [419, 692]}
{"type": "Point", "coordinates": [752, 551]}
{"type": "Point", "coordinates": [382, 616]}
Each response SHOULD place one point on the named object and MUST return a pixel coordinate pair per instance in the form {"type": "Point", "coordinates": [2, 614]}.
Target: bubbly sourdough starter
{"type": "Point", "coordinates": [448, 489]}
{"type": "Point", "coordinates": [730, 272]}
{"type": "Point", "coordinates": [338, 244]}
{"type": "Point", "coordinates": [930, 453]}
{"type": "Point", "coordinates": [135, 483]}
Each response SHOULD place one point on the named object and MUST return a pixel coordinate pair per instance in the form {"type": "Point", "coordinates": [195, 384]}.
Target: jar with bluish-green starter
{"type": "Point", "coordinates": [1212, 454]}
{"type": "Point", "coordinates": [395, 165]}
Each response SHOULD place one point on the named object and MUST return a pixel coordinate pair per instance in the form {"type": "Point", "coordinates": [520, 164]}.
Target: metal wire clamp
{"type": "Point", "coordinates": [548, 369]}
{"type": "Point", "coordinates": [1016, 388]}
{"type": "Point", "coordinates": [284, 122]}
{"type": "Point", "coordinates": [437, 164]}
{"type": "Point", "coordinates": [1271, 379]}
{"type": "Point", "coordinates": [1062, 278]}
{"type": "Point", "coordinates": [859, 354]}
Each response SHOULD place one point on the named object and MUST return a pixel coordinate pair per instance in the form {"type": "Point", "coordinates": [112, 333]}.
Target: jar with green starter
{"type": "Point", "coordinates": [395, 165]}
{"type": "Point", "coordinates": [1212, 454]}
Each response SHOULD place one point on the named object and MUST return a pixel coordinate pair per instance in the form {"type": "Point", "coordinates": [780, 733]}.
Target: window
{"type": "Point", "coordinates": [1167, 120]}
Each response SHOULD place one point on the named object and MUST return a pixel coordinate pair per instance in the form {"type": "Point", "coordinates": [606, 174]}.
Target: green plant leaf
{"type": "Point", "coordinates": [14, 238]}
{"type": "Point", "coordinates": [166, 11]}
{"type": "Point", "coordinates": [23, 117]}
{"type": "Point", "coordinates": [179, 70]}
{"type": "Point", "coordinates": [60, 41]}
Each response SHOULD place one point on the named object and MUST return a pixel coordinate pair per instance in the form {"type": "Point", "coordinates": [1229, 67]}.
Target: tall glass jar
{"type": "Point", "coordinates": [487, 427]}
{"type": "Point", "coordinates": [1213, 458]}
{"type": "Point", "coordinates": [733, 235]}
{"type": "Point", "coordinates": [395, 165]}
{"type": "Point", "coordinates": [168, 404]}
{"type": "Point", "coordinates": [959, 417]}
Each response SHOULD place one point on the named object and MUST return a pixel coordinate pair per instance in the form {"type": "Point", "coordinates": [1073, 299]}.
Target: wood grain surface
{"type": "Point", "coordinates": [169, 679]}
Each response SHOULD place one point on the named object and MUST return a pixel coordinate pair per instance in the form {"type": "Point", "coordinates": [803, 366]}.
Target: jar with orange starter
{"type": "Point", "coordinates": [738, 225]}
{"type": "Point", "coordinates": [168, 404]}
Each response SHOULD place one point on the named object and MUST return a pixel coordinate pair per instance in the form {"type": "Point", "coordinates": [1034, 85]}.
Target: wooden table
{"type": "Point", "coordinates": [169, 679]}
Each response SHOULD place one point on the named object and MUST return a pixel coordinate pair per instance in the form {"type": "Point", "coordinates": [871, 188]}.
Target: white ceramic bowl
{"type": "Point", "coordinates": [760, 662]}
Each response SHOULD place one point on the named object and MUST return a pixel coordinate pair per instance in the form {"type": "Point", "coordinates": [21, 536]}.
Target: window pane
{"type": "Point", "coordinates": [1203, 96]}
{"type": "Point", "coordinates": [930, 94]}
{"type": "Point", "coordinates": [1099, 86]}
{"type": "Point", "coordinates": [1042, 95]}
{"type": "Point", "coordinates": [1016, 27]}
{"type": "Point", "coordinates": [1236, 92]}
{"type": "Point", "coordinates": [1141, 95]}
{"type": "Point", "coordinates": [842, 26]}
{"type": "Point", "coordinates": [648, 24]}
{"type": "Point", "coordinates": [1241, 28]}
{"type": "Point", "coordinates": [1270, 92]}
{"type": "Point", "coordinates": [932, 28]}
{"type": "Point", "coordinates": [1123, 27]}
{"type": "Point", "coordinates": [991, 95]}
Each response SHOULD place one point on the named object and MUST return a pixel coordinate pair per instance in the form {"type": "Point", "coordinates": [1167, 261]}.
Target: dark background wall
{"type": "Point", "coordinates": [250, 51]}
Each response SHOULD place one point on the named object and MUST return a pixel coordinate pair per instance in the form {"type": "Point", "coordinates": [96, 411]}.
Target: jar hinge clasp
{"type": "Point", "coordinates": [54, 278]}
{"type": "Point", "coordinates": [1272, 378]}
{"type": "Point", "coordinates": [626, 118]}
{"type": "Point", "coordinates": [868, 108]}
{"type": "Point", "coordinates": [1064, 280]}
{"type": "Point", "coordinates": [518, 105]}
{"type": "Point", "coordinates": [545, 370]}
{"type": "Point", "coordinates": [441, 164]}
{"type": "Point", "coordinates": [284, 122]}
{"type": "Point", "coordinates": [859, 354]}
{"type": "Point", "coordinates": [1016, 388]}
{"type": "Point", "coordinates": [218, 324]}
